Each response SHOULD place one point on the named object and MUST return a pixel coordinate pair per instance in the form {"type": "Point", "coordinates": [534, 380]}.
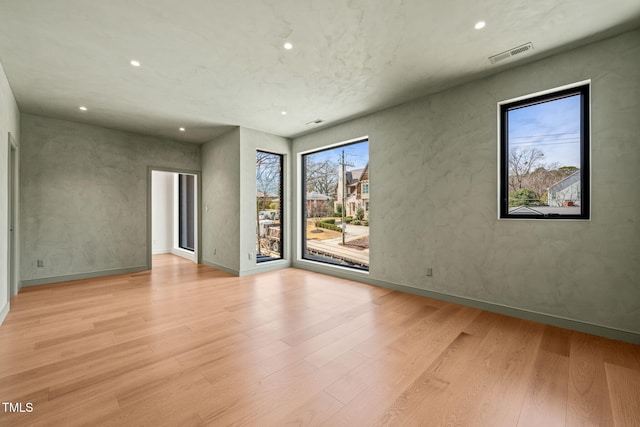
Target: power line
{"type": "Point", "coordinates": [545, 135]}
{"type": "Point", "coordinates": [538, 144]}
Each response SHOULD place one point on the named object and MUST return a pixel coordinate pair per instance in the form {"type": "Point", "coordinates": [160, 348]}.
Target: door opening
{"type": "Point", "coordinates": [174, 213]}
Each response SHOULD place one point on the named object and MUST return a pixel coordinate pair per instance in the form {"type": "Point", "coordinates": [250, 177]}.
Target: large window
{"type": "Point", "coordinates": [335, 205]}
{"type": "Point", "coordinates": [269, 209]}
{"type": "Point", "coordinates": [544, 156]}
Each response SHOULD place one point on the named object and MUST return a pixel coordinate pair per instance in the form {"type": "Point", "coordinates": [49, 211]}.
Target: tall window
{"type": "Point", "coordinates": [336, 205]}
{"type": "Point", "coordinates": [544, 156]}
{"type": "Point", "coordinates": [269, 209]}
{"type": "Point", "coordinates": [186, 211]}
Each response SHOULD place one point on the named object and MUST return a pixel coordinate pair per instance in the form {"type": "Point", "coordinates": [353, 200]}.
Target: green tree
{"type": "Point", "coordinates": [524, 197]}
{"type": "Point", "coordinates": [568, 170]}
{"type": "Point", "coordinates": [360, 214]}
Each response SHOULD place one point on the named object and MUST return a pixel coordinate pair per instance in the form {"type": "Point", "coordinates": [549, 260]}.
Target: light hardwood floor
{"type": "Point", "coordinates": [189, 345]}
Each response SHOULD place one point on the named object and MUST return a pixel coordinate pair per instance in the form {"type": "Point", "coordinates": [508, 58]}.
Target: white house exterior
{"type": "Point", "coordinates": [565, 192]}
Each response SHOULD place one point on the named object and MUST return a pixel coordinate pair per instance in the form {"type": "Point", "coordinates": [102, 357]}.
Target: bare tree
{"type": "Point", "coordinates": [521, 163]}
{"type": "Point", "coordinates": [322, 176]}
{"type": "Point", "coordinates": [267, 174]}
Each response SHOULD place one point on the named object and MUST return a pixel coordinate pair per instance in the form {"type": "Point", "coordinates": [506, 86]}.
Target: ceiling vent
{"type": "Point", "coordinates": [314, 122]}
{"type": "Point", "coordinates": [511, 52]}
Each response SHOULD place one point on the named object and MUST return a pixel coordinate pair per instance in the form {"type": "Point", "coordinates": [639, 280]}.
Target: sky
{"type": "Point", "coordinates": [356, 155]}
{"type": "Point", "coordinates": [553, 127]}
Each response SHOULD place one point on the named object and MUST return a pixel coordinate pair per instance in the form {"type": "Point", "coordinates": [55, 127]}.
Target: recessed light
{"type": "Point", "coordinates": [135, 63]}
{"type": "Point", "coordinates": [83, 108]}
{"type": "Point", "coordinates": [288, 46]}
{"type": "Point", "coordinates": [480, 25]}
{"type": "Point", "coordinates": [182, 129]}
{"type": "Point", "coordinates": [284, 113]}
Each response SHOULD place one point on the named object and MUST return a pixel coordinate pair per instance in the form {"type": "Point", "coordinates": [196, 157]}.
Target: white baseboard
{"type": "Point", "coordinates": [90, 275]}
{"type": "Point", "coordinates": [4, 312]}
{"type": "Point", "coordinates": [546, 318]}
{"type": "Point", "coordinates": [191, 256]}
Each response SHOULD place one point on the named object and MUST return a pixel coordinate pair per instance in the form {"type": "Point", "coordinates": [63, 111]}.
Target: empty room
{"type": "Point", "coordinates": [320, 213]}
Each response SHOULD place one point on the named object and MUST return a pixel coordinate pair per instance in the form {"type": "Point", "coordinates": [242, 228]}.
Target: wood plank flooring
{"type": "Point", "coordinates": [186, 344]}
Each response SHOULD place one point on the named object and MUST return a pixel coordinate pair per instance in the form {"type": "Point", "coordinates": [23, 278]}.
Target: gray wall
{"type": "Point", "coordinates": [434, 195]}
{"type": "Point", "coordinates": [84, 197]}
{"type": "Point", "coordinates": [9, 123]}
{"type": "Point", "coordinates": [221, 202]}
{"type": "Point", "coordinates": [229, 189]}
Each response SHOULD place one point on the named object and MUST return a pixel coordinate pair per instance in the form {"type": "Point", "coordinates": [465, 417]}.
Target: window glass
{"type": "Point", "coordinates": [269, 209]}
{"type": "Point", "coordinates": [336, 205]}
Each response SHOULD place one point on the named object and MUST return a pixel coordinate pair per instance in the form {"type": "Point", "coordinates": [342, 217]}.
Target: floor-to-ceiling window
{"type": "Point", "coordinates": [269, 206]}
{"type": "Point", "coordinates": [335, 205]}
{"type": "Point", "coordinates": [186, 211]}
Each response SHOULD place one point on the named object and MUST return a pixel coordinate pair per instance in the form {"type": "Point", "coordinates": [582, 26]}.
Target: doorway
{"type": "Point", "coordinates": [174, 219]}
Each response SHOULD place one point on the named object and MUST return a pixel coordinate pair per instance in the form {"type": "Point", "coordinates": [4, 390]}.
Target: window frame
{"type": "Point", "coordinates": [302, 254]}
{"type": "Point", "coordinates": [265, 259]}
{"type": "Point", "coordinates": [583, 89]}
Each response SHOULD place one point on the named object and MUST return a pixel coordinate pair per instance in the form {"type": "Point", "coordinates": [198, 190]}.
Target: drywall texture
{"type": "Point", "coordinates": [221, 201]}
{"type": "Point", "coordinates": [84, 195]}
{"type": "Point", "coordinates": [434, 189]}
{"type": "Point", "coordinates": [9, 123]}
{"type": "Point", "coordinates": [251, 141]}
{"type": "Point", "coordinates": [162, 205]}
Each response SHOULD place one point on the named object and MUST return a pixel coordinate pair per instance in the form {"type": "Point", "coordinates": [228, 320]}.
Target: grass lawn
{"type": "Point", "coordinates": [315, 233]}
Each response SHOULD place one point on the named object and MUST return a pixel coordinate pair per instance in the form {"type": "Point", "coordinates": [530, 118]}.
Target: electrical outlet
{"type": "Point", "coordinates": [249, 256]}
{"type": "Point", "coordinates": [429, 272]}
{"type": "Point", "coordinates": [40, 263]}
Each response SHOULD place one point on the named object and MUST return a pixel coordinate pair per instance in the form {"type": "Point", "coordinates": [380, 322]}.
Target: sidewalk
{"type": "Point", "coordinates": [333, 247]}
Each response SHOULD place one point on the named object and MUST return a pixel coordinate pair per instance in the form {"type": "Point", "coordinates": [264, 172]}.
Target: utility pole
{"type": "Point", "coordinates": [344, 184]}
{"type": "Point", "coordinates": [344, 165]}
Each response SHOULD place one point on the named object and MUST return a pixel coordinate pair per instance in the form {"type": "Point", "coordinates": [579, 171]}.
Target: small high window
{"type": "Point", "coordinates": [544, 156]}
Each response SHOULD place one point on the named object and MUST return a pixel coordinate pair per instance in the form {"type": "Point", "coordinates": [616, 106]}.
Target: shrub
{"type": "Point", "coordinates": [348, 219]}
{"type": "Point", "coordinates": [328, 226]}
{"type": "Point", "coordinates": [365, 223]}
{"type": "Point", "coordinates": [544, 200]}
{"type": "Point", "coordinates": [329, 220]}
{"type": "Point", "coordinates": [355, 222]}
{"type": "Point", "coordinates": [524, 197]}
{"type": "Point", "coordinates": [360, 214]}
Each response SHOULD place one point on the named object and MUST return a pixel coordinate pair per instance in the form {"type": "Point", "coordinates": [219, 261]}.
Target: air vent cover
{"type": "Point", "coordinates": [511, 52]}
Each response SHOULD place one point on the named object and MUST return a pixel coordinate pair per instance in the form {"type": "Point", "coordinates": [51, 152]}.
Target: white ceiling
{"type": "Point", "coordinates": [211, 64]}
